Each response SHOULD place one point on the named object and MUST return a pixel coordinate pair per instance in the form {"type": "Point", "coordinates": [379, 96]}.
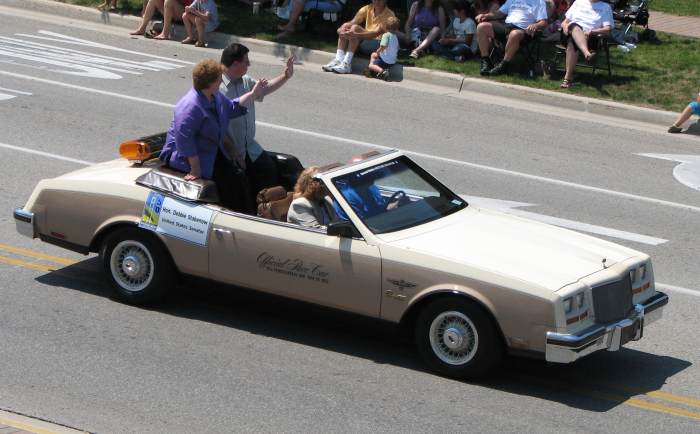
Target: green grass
{"type": "Point", "coordinates": [657, 76]}
{"type": "Point", "coordinates": [677, 7]}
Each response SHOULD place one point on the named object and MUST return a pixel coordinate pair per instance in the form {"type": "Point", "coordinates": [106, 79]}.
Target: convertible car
{"type": "Point", "coordinates": [469, 284]}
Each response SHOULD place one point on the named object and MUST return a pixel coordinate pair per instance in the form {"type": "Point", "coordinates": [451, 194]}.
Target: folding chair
{"type": "Point", "coordinates": [602, 48]}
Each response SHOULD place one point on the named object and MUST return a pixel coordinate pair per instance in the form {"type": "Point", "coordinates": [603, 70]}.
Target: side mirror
{"type": "Point", "coordinates": [341, 228]}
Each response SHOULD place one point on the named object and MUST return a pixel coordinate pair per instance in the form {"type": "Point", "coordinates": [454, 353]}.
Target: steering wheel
{"type": "Point", "coordinates": [398, 196]}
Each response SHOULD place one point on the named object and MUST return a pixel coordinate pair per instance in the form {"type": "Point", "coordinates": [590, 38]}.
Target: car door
{"type": "Point", "coordinates": [297, 262]}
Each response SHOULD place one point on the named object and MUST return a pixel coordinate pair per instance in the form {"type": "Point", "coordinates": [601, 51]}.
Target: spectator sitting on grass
{"type": "Point", "coordinates": [385, 57]}
{"type": "Point", "coordinates": [426, 23]}
{"type": "Point", "coordinates": [692, 108]}
{"type": "Point", "coordinates": [523, 19]}
{"type": "Point", "coordinates": [460, 43]}
{"type": "Point", "coordinates": [361, 32]}
{"type": "Point", "coordinates": [584, 19]}
{"type": "Point", "coordinates": [205, 17]}
{"type": "Point", "coordinates": [170, 9]}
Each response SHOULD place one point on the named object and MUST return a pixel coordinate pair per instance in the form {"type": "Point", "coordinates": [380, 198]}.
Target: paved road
{"type": "Point", "coordinates": [220, 360]}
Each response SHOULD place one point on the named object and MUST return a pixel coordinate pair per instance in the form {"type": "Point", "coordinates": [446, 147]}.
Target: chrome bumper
{"type": "Point", "coordinates": [565, 348]}
{"type": "Point", "coordinates": [24, 221]}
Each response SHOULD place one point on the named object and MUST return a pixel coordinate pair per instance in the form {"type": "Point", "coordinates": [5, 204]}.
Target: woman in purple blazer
{"type": "Point", "coordinates": [196, 133]}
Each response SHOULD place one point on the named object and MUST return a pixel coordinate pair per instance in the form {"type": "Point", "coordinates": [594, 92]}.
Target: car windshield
{"type": "Point", "coordinates": [395, 195]}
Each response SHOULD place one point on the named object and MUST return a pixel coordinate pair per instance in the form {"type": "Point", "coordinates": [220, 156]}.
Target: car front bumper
{"type": "Point", "coordinates": [566, 348]}
{"type": "Point", "coordinates": [24, 221]}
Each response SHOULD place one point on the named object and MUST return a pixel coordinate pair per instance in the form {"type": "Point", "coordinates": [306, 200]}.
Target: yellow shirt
{"type": "Point", "coordinates": [372, 21]}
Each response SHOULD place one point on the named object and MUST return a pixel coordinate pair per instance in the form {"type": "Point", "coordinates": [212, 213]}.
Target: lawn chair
{"type": "Point", "coordinates": [529, 51]}
{"type": "Point", "coordinates": [330, 10]}
{"type": "Point", "coordinates": [601, 61]}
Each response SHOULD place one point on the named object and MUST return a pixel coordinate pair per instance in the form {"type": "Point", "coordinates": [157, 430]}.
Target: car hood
{"type": "Point", "coordinates": [514, 247]}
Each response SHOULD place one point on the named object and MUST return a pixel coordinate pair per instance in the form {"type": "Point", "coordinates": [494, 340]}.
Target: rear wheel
{"type": "Point", "coordinates": [456, 338]}
{"type": "Point", "coordinates": [138, 266]}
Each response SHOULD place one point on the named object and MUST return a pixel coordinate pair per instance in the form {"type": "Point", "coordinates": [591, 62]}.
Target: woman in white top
{"type": "Point", "coordinates": [583, 19]}
{"type": "Point", "coordinates": [311, 207]}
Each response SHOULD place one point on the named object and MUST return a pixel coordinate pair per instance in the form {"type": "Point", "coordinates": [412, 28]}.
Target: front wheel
{"type": "Point", "coordinates": [456, 338]}
{"type": "Point", "coordinates": [139, 267]}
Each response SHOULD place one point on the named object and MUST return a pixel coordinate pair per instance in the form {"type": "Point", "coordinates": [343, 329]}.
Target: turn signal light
{"type": "Point", "coordinates": [135, 150]}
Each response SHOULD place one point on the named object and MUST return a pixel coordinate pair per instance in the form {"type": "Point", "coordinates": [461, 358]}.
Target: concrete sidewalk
{"type": "Point", "coordinates": [684, 26]}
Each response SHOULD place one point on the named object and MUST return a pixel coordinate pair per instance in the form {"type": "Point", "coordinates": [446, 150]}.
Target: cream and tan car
{"type": "Point", "coordinates": [470, 283]}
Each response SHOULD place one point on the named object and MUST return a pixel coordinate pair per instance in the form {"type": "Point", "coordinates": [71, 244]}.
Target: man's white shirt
{"type": "Point", "coordinates": [522, 13]}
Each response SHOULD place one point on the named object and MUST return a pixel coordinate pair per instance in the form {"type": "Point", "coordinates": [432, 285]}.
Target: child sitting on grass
{"type": "Point", "coordinates": [692, 108]}
{"type": "Point", "coordinates": [204, 15]}
{"type": "Point", "coordinates": [385, 57]}
{"type": "Point", "coordinates": [460, 43]}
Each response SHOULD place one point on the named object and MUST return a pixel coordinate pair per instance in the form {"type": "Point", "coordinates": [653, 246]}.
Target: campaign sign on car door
{"type": "Point", "coordinates": [177, 219]}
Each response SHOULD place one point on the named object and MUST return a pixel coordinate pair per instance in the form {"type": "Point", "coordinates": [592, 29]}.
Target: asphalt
{"type": "Point", "coordinates": [451, 81]}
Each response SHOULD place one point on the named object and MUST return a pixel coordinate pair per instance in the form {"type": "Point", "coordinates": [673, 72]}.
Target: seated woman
{"type": "Point", "coordinates": [311, 206]}
{"type": "Point", "coordinates": [426, 19]}
{"type": "Point", "coordinates": [584, 19]}
{"type": "Point", "coordinates": [195, 138]}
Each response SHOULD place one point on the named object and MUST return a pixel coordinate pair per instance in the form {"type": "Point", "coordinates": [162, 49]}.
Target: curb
{"type": "Point", "coordinates": [451, 81]}
{"type": "Point", "coordinates": [36, 426]}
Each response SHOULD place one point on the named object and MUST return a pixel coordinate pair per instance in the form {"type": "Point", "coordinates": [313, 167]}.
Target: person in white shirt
{"type": "Point", "coordinates": [583, 19]}
{"type": "Point", "coordinates": [460, 42]}
{"type": "Point", "coordinates": [523, 18]}
{"type": "Point", "coordinates": [381, 61]}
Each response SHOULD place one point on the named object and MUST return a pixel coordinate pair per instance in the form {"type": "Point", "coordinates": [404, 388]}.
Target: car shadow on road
{"type": "Point", "coordinates": [599, 382]}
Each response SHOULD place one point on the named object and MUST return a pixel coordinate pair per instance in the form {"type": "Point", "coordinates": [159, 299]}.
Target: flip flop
{"type": "Point", "coordinates": [566, 83]}
{"type": "Point", "coordinates": [188, 41]}
{"type": "Point", "coordinates": [200, 44]}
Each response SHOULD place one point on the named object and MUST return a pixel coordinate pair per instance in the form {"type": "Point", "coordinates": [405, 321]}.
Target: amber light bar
{"type": "Point", "coordinates": [135, 150]}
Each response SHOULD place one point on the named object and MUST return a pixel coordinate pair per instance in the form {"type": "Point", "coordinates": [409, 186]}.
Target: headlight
{"type": "Point", "coordinates": [568, 304]}
{"type": "Point", "coordinates": [580, 300]}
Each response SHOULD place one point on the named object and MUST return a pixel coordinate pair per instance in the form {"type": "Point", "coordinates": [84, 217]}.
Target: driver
{"type": "Point", "coordinates": [364, 196]}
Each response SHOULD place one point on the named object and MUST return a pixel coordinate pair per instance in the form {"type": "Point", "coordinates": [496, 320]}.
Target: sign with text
{"type": "Point", "coordinates": [177, 219]}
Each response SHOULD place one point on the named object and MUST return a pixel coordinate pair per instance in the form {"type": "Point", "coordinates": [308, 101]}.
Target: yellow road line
{"type": "Point", "coordinates": [632, 402]}
{"type": "Point", "coordinates": [657, 394]}
{"type": "Point", "coordinates": [35, 426]}
{"type": "Point", "coordinates": [37, 255]}
{"type": "Point", "coordinates": [25, 264]}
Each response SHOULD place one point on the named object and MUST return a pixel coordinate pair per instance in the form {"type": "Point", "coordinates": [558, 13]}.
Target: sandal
{"type": "Point", "coordinates": [414, 54]}
{"type": "Point", "coordinates": [566, 83]}
{"type": "Point", "coordinates": [591, 58]}
{"type": "Point", "coordinates": [200, 44]}
{"type": "Point", "coordinates": [188, 41]}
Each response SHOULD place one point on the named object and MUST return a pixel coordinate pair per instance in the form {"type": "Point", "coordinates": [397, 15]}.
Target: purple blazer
{"type": "Point", "coordinates": [197, 130]}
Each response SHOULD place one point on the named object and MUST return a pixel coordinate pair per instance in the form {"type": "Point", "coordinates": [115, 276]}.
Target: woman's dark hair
{"type": "Point", "coordinates": [205, 73]}
{"type": "Point", "coordinates": [233, 53]}
{"type": "Point", "coordinates": [464, 5]}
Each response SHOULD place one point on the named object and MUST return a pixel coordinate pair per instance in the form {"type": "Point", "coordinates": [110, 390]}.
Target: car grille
{"type": "Point", "coordinates": [612, 301]}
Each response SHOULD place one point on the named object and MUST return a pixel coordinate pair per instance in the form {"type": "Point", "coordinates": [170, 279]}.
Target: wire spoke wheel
{"type": "Point", "coordinates": [131, 265]}
{"type": "Point", "coordinates": [453, 338]}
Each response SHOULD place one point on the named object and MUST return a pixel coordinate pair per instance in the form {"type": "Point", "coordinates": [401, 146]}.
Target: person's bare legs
{"type": "Point", "coordinates": [515, 37]}
{"type": "Point", "coordinates": [484, 36]}
{"type": "Point", "coordinates": [684, 116]}
{"type": "Point", "coordinates": [372, 67]}
{"type": "Point", "coordinates": [171, 8]}
{"type": "Point", "coordinates": [571, 60]}
{"type": "Point", "coordinates": [297, 9]}
{"type": "Point", "coordinates": [581, 41]}
{"type": "Point", "coordinates": [430, 37]}
{"type": "Point", "coordinates": [187, 20]}
{"type": "Point", "coordinates": [201, 24]}
{"type": "Point", "coordinates": [148, 13]}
